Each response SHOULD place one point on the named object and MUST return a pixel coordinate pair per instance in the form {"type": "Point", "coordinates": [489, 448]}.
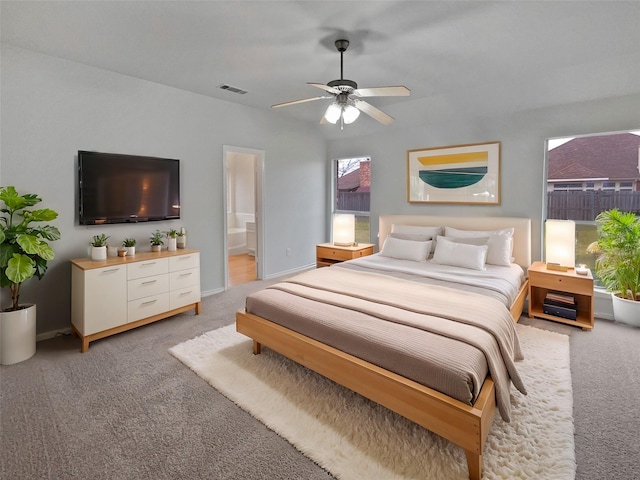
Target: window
{"type": "Point", "coordinates": [606, 167]}
{"type": "Point", "coordinates": [351, 193]}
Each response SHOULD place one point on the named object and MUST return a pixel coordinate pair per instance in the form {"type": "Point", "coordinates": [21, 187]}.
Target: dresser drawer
{"type": "Point", "coordinates": [148, 306]}
{"type": "Point", "coordinates": [184, 262]}
{"type": "Point", "coordinates": [147, 268]}
{"type": "Point", "coordinates": [147, 286]}
{"type": "Point", "coordinates": [185, 296]}
{"type": "Point", "coordinates": [184, 278]}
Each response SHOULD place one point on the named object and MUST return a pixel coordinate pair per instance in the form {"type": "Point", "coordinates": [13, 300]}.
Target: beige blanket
{"type": "Point", "coordinates": [476, 320]}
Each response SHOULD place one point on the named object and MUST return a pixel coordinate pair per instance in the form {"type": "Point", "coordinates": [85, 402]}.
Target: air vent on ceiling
{"type": "Point", "coordinates": [229, 88]}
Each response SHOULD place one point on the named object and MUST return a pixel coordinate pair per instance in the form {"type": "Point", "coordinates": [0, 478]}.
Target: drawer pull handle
{"type": "Point", "coordinates": [186, 274]}
{"type": "Point", "coordinates": [148, 264]}
{"type": "Point", "coordinates": [184, 258]}
{"type": "Point", "coordinates": [185, 293]}
{"type": "Point", "coordinates": [149, 302]}
{"type": "Point", "coordinates": [149, 282]}
{"type": "Point", "coordinates": [111, 270]}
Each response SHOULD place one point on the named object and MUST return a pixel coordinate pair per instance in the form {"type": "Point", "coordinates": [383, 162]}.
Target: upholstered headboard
{"type": "Point", "coordinates": [521, 235]}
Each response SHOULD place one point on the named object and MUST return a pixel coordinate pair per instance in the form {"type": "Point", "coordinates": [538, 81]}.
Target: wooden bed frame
{"type": "Point", "coordinates": [464, 425]}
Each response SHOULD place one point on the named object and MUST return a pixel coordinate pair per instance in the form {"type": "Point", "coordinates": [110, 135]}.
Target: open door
{"type": "Point", "coordinates": [244, 223]}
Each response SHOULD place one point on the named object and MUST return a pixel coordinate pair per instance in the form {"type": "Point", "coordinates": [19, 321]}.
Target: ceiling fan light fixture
{"type": "Point", "coordinates": [333, 113]}
{"type": "Point", "coordinates": [350, 114]}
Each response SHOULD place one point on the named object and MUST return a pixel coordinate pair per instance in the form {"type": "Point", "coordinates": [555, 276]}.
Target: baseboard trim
{"type": "Point", "coordinates": [54, 333]}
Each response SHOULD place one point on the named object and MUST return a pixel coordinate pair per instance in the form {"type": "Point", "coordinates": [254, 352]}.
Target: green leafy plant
{"type": "Point", "coordinates": [129, 242]}
{"type": "Point", "coordinates": [156, 238]}
{"type": "Point", "coordinates": [618, 250]}
{"type": "Point", "coordinates": [172, 233]}
{"type": "Point", "coordinates": [99, 240]}
{"type": "Point", "coordinates": [24, 248]}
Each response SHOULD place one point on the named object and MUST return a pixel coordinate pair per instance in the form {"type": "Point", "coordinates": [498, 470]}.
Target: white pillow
{"type": "Point", "coordinates": [460, 254]}
{"type": "Point", "coordinates": [467, 241]}
{"type": "Point", "coordinates": [416, 230]}
{"type": "Point", "coordinates": [500, 243]}
{"type": "Point", "coordinates": [408, 236]}
{"type": "Point", "coordinates": [430, 232]}
{"type": "Point", "coordinates": [406, 249]}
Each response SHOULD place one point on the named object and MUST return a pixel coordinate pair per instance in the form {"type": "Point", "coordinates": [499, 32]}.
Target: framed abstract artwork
{"type": "Point", "coordinates": [455, 174]}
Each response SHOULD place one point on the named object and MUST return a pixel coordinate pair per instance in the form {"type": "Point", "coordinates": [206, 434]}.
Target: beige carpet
{"type": "Point", "coordinates": [354, 438]}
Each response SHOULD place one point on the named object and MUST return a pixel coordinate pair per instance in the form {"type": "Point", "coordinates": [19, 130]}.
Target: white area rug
{"type": "Point", "coordinates": [354, 438]}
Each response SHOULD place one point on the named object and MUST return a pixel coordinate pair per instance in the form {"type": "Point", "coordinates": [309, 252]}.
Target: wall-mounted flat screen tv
{"type": "Point", "coordinates": [115, 188]}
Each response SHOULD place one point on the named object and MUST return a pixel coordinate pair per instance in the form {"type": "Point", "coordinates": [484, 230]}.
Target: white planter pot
{"type": "Point", "coordinates": [172, 244]}
{"type": "Point", "coordinates": [17, 335]}
{"type": "Point", "coordinates": [626, 311]}
{"type": "Point", "coordinates": [131, 251]}
{"type": "Point", "coordinates": [99, 253]}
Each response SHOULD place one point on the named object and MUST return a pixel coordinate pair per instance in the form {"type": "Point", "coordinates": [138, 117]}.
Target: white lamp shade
{"type": "Point", "coordinates": [350, 114]}
{"type": "Point", "coordinates": [560, 242]}
{"type": "Point", "coordinates": [333, 113]}
{"type": "Point", "coordinates": [344, 228]}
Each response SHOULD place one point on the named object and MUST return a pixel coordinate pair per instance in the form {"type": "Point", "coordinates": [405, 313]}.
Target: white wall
{"type": "Point", "coordinates": [241, 171]}
{"type": "Point", "coordinates": [51, 108]}
{"type": "Point", "coordinates": [522, 161]}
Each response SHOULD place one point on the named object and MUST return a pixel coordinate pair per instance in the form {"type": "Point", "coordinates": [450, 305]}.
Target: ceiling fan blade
{"type": "Point", "coordinates": [397, 91]}
{"type": "Point", "coordinates": [324, 87]}
{"type": "Point", "coordinates": [295, 102]}
{"type": "Point", "coordinates": [373, 112]}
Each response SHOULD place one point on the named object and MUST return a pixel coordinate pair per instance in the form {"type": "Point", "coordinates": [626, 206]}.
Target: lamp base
{"type": "Point", "coordinates": [557, 267]}
{"type": "Point", "coordinates": [341, 244]}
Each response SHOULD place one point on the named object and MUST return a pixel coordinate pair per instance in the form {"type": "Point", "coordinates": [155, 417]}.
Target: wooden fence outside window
{"type": "Point", "coordinates": [585, 206]}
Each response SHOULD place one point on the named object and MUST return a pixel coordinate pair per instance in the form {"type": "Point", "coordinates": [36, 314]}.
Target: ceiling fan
{"type": "Point", "coordinates": [347, 103]}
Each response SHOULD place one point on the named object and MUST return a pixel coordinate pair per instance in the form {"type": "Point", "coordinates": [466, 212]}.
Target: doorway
{"type": "Point", "coordinates": [243, 217]}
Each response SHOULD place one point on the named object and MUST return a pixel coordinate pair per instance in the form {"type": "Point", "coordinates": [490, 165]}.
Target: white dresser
{"type": "Point", "coordinates": [118, 294]}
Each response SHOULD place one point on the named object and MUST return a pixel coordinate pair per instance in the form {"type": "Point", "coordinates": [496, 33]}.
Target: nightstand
{"type": "Point", "coordinates": [570, 283]}
{"type": "Point", "coordinates": [327, 253]}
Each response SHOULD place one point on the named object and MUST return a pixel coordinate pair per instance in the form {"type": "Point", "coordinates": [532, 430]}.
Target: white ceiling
{"type": "Point", "coordinates": [479, 58]}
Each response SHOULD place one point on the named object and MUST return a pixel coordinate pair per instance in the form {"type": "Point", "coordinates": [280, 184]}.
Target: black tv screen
{"type": "Point", "coordinates": [115, 188]}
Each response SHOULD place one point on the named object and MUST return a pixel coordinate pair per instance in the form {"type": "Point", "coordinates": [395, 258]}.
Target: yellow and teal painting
{"type": "Point", "coordinates": [455, 174]}
{"type": "Point", "coordinates": [455, 170]}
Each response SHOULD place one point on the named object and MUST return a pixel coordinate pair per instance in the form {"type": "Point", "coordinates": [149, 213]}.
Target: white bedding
{"type": "Point", "coordinates": [501, 283]}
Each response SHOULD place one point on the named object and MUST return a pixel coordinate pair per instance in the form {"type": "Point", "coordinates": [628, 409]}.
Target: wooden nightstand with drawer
{"type": "Point", "coordinates": [569, 283]}
{"type": "Point", "coordinates": [327, 253]}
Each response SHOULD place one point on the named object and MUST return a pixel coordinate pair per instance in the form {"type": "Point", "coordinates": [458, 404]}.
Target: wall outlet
{"type": "Point", "coordinates": [288, 252]}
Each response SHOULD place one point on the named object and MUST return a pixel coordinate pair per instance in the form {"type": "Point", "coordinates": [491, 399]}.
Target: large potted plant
{"type": "Point", "coordinates": [24, 253]}
{"type": "Point", "coordinates": [618, 262]}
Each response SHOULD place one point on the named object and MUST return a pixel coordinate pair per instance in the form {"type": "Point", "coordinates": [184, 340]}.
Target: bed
{"type": "Point", "coordinates": [374, 372]}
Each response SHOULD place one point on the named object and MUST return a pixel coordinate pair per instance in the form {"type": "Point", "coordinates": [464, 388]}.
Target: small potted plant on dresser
{"type": "Point", "coordinates": [24, 253]}
{"type": "Point", "coordinates": [172, 240]}
{"type": "Point", "coordinates": [181, 241]}
{"type": "Point", "coordinates": [99, 247]}
{"type": "Point", "coordinates": [130, 245]}
{"type": "Point", "coordinates": [156, 241]}
{"type": "Point", "coordinates": [618, 262]}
